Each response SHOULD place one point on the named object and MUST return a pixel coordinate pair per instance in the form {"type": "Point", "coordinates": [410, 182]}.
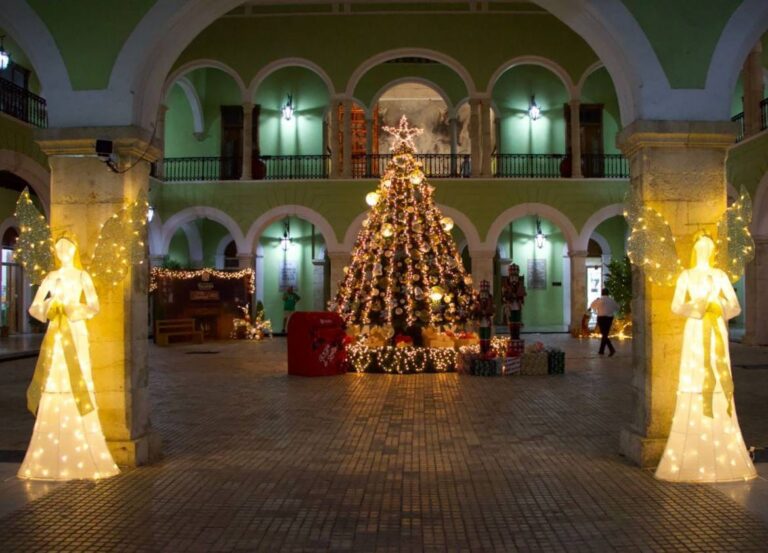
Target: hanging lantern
{"type": "Point", "coordinates": [446, 223]}
{"type": "Point", "coordinates": [372, 198]}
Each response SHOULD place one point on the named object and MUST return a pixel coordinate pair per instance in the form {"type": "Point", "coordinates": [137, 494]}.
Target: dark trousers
{"type": "Point", "coordinates": [604, 324]}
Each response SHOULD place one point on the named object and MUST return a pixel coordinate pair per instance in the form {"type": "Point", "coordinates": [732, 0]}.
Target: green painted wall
{"type": "Point", "coordinates": [90, 34]}
{"type": "Point", "coordinates": [518, 133]}
{"type": "Point", "coordinates": [543, 307]}
{"type": "Point", "coordinates": [684, 34]}
{"type": "Point", "coordinates": [441, 75]}
{"type": "Point", "coordinates": [178, 250]}
{"type": "Point", "coordinates": [8, 199]}
{"type": "Point", "coordinates": [303, 134]}
{"type": "Point", "coordinates": [18, 56]}
{"type": "Point", "coordinates": [17, 136]}
{"type": "Point", "coordinates": [599, 89]}
{"type": "Point", "coordinates": [495, 39]}
{"type": "Point", "coordinates": [614, 230]}
{"type": "Point", "coordinates": [211, 233]}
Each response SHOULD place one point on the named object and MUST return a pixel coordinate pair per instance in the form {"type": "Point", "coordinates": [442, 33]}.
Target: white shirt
{"type": "Point", "coordinates": [604, 306]}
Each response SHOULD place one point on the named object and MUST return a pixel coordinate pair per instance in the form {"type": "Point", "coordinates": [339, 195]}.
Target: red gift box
{"type": "Point", "coordinates": [316, 344]}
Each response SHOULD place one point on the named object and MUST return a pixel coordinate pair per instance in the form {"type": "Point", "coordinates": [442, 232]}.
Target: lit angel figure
{"type": "Point", "coordinates": [67, 441]}
{"type": "Point", "coordinates": [705, 443]}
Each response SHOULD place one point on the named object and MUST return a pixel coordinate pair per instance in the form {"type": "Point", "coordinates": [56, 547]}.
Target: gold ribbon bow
{"type": "Point", "coordinates": [711, 331]}
{"type": "Point", "coordinates": [59, 326]}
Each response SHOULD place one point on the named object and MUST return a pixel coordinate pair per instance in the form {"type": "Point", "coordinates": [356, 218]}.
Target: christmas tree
{"type": "Point", "coordinates": [406, 273]}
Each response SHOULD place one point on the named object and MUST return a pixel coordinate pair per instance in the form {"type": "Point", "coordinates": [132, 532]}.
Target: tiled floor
{"type": "Point", "coordinates": [258, 461]}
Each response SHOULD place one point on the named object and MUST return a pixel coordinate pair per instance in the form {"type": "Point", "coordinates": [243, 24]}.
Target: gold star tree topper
{"type": "Point", "coordinates": [403, 134]}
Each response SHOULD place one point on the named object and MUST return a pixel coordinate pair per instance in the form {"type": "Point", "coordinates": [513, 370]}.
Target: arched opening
{"type": "Point", "coordinates": [291, 254]}
{"type": "Point", "coordinates": [537, 246]}
{"type": "Point", "coordinates": [203, 127]}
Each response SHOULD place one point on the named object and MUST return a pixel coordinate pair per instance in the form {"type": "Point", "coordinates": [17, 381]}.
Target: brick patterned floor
{"type": "Point", "coordinates": [257, 461]}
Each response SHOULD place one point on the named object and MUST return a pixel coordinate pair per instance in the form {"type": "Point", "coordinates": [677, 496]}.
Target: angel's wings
{"type": "Point", "coordinates": [735, 246]}
{"type": "Point", "coordinates": [34, 247]}
{"type": "Point", "coordinates": [650, 244]}
{"type": "Point", "coordinates": [120, 244]}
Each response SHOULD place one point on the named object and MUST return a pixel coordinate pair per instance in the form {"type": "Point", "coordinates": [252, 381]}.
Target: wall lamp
{"type": "Point", "coordinates": [534, 112]}
{"type": "Point", "coordinates": [286, 240]}
{"type": "Point", "coordinates": [288, 109]}
{"type": "Point", "coordinates": [539, 235]}
{"type": "Point", "coordinates": [5, 57]}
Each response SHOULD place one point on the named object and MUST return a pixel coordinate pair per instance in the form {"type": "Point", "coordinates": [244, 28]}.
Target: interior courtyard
{"type": "Point", "coordinates": [257, 134]}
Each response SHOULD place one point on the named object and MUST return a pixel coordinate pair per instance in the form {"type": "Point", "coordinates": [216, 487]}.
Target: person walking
{"type": "Point", "coordinates": [290, 298]}
{"type": "Point", "coordinates": [606, 308]}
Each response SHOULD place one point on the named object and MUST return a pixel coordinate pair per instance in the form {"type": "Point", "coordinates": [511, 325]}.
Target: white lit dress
{"type": "Point", "coordinates": [705, 443]}
{"type": "Point", "coordinates": [66, 444]}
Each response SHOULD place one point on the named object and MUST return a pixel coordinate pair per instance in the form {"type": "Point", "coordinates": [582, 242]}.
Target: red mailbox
{"type": "Point", "coordinates": [316, 344]}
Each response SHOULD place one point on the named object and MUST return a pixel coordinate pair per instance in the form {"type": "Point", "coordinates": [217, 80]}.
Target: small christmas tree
{"type": "Point", "coordinates": [406, 273]}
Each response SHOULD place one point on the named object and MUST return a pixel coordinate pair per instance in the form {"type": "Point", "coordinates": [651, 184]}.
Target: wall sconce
{"type": "Point", "coordinates": [286, 240]}
{"type": "Point", "coordinates": [534, 112]}
{"type": "Point", "coordinates": [539, 235]}
{"type": "Point", "coordinates": [5, 57]}
{"type": "Point", "coordinates": [288, 109]}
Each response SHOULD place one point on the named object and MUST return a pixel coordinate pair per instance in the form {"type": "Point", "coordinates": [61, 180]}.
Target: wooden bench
{"type": "Point", "coordinates": [183, 328]}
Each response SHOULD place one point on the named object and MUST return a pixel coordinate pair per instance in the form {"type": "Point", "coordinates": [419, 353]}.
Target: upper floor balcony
{"type": "Point", "coordinates": [22, 104]}
{"type": "Point", "coordinates": [365, 166]}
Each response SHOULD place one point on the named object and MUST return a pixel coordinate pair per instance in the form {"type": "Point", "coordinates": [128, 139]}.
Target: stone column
{"type": "Point", "coordinates": [246, 260]}
{"type": "Point", "coordinates": [578, 290]}
{"type": "Point", "coordinates": [575, 139]}
{"type": "Point", "coordinates": [369, 132]}
{"type": "Point", "coordinates": [156, 260]}
{"type": "Point", "coordinates": [453, 126]}
{"type": "Point", "coordinates": [677, 167]}
{"type": "Point", "coordinates": [258, 277]}
{"type": "Point", "coordinates": [334, 139]}
{"type": "Point", "coordinates": [482, 267]}
{"type": "Point", "coordinates": [247, 141]}
{"type": "Point", "coordinates": [318, 284]}
{"type": "Point", "coordinates": [474, 136]}
{"type": "Point", "coordinates": [752, 78]}
{"type": "Point", "coordinates": [338, 261]}
{"type": "Point", "coordinates": [485, 140]}
{"type": "Point", "coordinates": [756, 296]}
{"type": "Point", "coordinates": [347, 147]}
{"type": "Point", "coordinates": [84, 194]}
{"type": "Point", "coordinates": [160, 139]}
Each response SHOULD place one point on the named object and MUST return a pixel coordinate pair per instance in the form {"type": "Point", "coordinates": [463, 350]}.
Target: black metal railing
{"type": "Point", "coordinates": [604, 166]}
{"type": "Point", "coordinates": [531, 166]}
{"type": "Point", "coordinates": [292, 167]}
{"type": "Point", "coordinates": [439, 166]}
{"type": "Point", "coordinates": [200, 168]}
{"type": "Point", "coordinates": [739, 120]}
{"type": "Point", "coordinates": [20, 103]}
{"type": "Point", "coordinates": [764, 113]}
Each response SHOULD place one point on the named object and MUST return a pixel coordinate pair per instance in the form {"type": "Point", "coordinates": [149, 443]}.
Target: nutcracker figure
{"type": "Point", "coordinates": [483, 313]}
{"type": "Point", "coordinates": [513, 296]}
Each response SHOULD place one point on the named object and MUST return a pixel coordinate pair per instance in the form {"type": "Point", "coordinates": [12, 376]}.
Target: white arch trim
{"type": "Point", "coordinates": [201, 212]}
{"type": "Point", "coordinates": [740, 34]}
{"type": "Point", "coordinates": [10, 222]}
{"type": "Point", "coordinates": [155, 236]}
{"type": "Point", "coordinates": [544, 211]}
{"type": "Point", "coordinates": [275, 214]}
{"type": "Point", "coordinates": [603, 243]}
{"type": "Point", "coordinates": [205, 64]}
{"type": "Point", "coordinates": [223, 243]}
{"type": "Point", "coordinates": [547, 63]}
{"type": "Point", "coordinates": [194, 242]}
{"type": "Point", "coordinates": [198, 122]}
{"type": "Point", "coordinates": [434, 55]}
{"type": "Point", "coordinates": [584, 76]}
{"type": "Point", "coordinates": [417, 80]}
{"type": "Point", "coordinates": [594, 221]}
{"type": "Point", "coordinates": [31, 171]}
{"type": "Point", "coordinates": [273, 66]}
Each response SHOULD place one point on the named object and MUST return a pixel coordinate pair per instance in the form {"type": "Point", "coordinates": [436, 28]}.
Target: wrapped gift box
{"type": "Point", "coordinates": [464, 361]}
{"type": "Point", "coordinates": [511, 365]}
{"type": "Point", "coordinates": [486, 367]}
{"type": "Point", "coordinates": [516, 348]}
{"type": "Point", "coordinates": [534, 363]}
{"type": "Point", "coordinates": [556, 361]}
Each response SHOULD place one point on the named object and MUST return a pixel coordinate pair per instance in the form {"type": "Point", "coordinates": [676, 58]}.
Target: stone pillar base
{"type": "Point", "coordinates": [133, 453]}
{"type": "Point", "coordinates": [641, 450]}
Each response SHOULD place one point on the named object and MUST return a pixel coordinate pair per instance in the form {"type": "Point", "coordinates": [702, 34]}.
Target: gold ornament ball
{"type": "Point", "coordinates": [387, 230]}
{"type": "Point", "coordinates": [446, 223]}
{"type": "Point", "coordinates": [372, 198]}
{"type": "Point", "coordinates": [436, 294]}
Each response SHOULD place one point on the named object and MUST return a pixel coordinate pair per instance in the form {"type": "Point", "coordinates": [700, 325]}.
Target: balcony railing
{"type": "Point", "coordinates": [292, 167]}
{"type": "Point", "coordinates": [441, 166]}
{"type": "Point", "coordinates": [739, 119]}
{"type": "Point", "coordinates": [436, 166]}
{"type": "Point", "coordinates": [20, 103]}
{"type": "Point", "coordinates": [531, 166]}
{"type": "Point", "coordinates": [764, 113]}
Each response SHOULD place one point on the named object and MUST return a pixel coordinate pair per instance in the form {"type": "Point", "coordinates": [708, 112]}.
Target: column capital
{"type": "Point", "coordinates": [676, 134]}
{"type": "Point", "coordinates": [248, 107]}
{"type": "Point", "coordinates": [81, 141]}
{"type": "Point", "coordinates": [578, 253]}
{"type": "Point", "coordinates": [574, 102]}
{"type": "Point", "coordinates": [482, 254]}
